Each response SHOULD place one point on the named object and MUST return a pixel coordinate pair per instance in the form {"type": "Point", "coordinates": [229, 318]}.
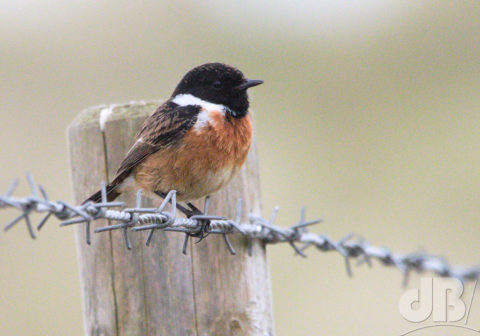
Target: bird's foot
{"type": "Point", "coordinates": [195, 213]}
{"type": "Point", "coordinates": [192, 211]}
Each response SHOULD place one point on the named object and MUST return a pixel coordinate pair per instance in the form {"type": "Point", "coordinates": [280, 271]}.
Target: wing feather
{"type": "Point", "coordinates": [164, 128]}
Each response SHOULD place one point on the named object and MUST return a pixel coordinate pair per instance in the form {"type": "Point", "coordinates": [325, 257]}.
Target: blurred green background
{"type": "Point", "coordinates": [369, 116]}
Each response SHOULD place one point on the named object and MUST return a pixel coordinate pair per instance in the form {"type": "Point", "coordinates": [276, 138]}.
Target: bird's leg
{"type": "Point", "coordinates": [194, 208]}
{"type": "Point", "coordinates": [191, 211]}
{"type": "Point", "coordinates": [187, 212]}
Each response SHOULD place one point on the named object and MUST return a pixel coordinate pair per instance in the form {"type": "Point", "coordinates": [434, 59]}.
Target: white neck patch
{"type": "Point", "coordinates": [188, 99]}
{"type": "Point", "coordinates": [203, 118]}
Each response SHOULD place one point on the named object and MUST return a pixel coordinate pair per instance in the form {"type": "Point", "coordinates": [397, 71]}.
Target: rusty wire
{"type": "Point", "coordinates": [152, 219]}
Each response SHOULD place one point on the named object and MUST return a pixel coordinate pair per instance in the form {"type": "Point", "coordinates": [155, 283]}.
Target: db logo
{"type": "Point", "coordinates": [436, 297]}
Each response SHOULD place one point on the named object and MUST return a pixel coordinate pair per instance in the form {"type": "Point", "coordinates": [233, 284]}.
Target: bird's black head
{"type": "Point", "coordinates": [219, 84]}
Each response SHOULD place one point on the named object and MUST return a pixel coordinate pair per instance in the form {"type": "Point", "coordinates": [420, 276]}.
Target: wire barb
{"type": "Point", "coordinates": [136, 219]}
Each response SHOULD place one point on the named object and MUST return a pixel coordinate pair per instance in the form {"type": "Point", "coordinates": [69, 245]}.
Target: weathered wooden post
{"type": "Point", "coordinates": [157, 290]}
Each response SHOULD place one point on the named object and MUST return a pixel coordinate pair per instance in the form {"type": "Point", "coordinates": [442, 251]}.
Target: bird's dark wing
{"type": "Point", "coordinates": [164, 128]}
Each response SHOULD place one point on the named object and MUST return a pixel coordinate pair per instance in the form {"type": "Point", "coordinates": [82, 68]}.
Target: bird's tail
{"type": "Point", "coordinates": [112, 194]}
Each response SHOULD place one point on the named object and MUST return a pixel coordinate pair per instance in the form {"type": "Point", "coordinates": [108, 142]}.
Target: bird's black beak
{"type": "Point", "coordinates": [248, 84]}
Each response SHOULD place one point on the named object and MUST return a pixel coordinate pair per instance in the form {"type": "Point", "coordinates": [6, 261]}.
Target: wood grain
{"type": "Point", "coordinates": [157, 290]}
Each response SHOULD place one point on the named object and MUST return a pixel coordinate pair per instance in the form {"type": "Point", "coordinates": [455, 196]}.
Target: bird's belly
{"type": "Point", "coordinates": [204, 162]}
{"type": "Point", "coordinates": [189, 175]}
{"type": "Point", "coordinates": [211, 182]}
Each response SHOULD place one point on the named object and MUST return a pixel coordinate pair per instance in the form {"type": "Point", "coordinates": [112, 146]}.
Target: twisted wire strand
{"type": "Point", "coordinates": [151, 219]}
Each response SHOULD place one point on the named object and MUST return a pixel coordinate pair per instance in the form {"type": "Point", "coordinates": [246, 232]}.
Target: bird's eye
{"type": "Point", "coordinates": [217, 85]}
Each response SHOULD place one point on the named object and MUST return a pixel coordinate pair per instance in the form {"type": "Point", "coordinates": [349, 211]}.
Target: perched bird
{"type": "Point", "coordinates": [193, 143]}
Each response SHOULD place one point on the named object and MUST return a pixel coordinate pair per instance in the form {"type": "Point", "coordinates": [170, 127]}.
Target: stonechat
{"type": "Point", "coordinates": [193, 143]}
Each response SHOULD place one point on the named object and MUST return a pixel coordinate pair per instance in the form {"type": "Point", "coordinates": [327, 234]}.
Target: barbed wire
{"type": "Point", "coordinates": [152, 219]}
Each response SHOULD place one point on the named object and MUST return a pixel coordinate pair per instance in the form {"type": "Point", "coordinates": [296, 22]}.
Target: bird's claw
{"type": "Point", "coordinates": [204, 225]}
